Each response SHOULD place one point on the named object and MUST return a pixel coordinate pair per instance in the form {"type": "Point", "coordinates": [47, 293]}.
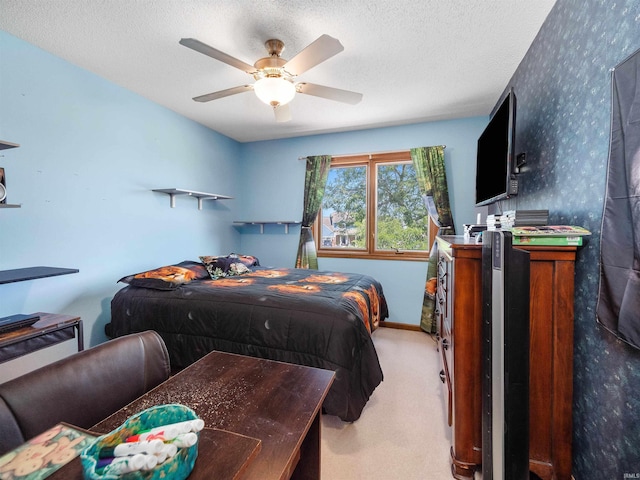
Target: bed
{"type": "Point", "coordinates": [308, 317]}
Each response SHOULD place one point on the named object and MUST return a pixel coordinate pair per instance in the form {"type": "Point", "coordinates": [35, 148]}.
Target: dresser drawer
{"type": "Point", "coordinates": [445, 378]}
{"type": "Point", "coordinates": [444, 312]}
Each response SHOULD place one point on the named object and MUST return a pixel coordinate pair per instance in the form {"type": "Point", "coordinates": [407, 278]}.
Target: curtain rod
{"type": "Point", "coordinates": [367, 153]}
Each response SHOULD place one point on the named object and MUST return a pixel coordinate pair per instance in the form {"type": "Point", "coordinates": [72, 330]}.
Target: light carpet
{"type": "Point", "coordinates": [402, 431]}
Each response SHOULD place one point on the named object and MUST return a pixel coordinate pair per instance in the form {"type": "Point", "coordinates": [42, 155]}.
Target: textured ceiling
{"type": "Point", "coordinates": [413, 61]}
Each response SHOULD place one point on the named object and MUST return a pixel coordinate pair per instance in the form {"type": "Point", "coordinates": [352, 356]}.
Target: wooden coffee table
{"type": "Point", "coordinates": [278, 404]}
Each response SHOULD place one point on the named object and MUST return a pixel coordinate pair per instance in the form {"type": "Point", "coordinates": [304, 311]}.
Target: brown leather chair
{"type": "Point", "coordinates": [81, 389]}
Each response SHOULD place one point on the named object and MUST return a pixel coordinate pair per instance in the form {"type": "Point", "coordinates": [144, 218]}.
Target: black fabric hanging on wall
{"type": "Point", "coordinates": [619, 297]}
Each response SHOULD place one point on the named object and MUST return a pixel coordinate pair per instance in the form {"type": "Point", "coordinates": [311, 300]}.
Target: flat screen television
{"type": "Point", "coordinates": [495, 177]}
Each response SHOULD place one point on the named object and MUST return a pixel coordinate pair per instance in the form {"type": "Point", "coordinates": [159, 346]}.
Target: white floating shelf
{"type": "Point", "coordinates": [286, 224]}
{"type": "Point", "coordinates": [173, 192]}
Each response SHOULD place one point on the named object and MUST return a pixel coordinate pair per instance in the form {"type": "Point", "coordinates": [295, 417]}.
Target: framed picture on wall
{"type": "Point", "coordinates": [3, 187]}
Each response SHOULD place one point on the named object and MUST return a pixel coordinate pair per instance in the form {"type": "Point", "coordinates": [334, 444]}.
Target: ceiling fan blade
{"type": "Point", "coordinates": [331, 93]}
{"type": "Point", "coordinates": [198, 46]}
{"type": "Point", "coordinates": [223, 93]}
{"type": "Point", "coordinates": [283, 113]}
{"type": "Point", "coordinates": [317, 52]}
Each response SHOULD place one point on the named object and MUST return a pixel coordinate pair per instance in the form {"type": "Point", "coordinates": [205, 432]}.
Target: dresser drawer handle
{"type": "Point", "coordinates": [443, 378]}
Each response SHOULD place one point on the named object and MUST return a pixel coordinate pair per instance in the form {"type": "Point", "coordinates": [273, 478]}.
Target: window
{"type": "Point", "coordinates": [373, 208]}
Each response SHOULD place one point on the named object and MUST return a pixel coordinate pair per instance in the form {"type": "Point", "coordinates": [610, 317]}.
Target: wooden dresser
{"type": "Point", "coordinates": [459, 310]}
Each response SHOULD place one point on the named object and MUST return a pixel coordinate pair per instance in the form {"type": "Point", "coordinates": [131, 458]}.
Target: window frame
{"type": "Point", "coordinates": [370, 161]}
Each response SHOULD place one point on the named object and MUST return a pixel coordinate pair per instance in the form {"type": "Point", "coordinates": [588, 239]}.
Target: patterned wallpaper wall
{"type": "Point", "coordinates": [563, 88]}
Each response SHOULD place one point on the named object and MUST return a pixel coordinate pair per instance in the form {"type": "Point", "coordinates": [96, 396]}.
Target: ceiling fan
{"type": "Point", "coordinates": [275, 76]}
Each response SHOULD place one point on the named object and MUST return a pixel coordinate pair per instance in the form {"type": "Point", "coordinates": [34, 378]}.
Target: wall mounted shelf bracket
{"type": "Point", "coordinates": [262, 224]}
{"type": "Point", "coordinates": [173, 192]}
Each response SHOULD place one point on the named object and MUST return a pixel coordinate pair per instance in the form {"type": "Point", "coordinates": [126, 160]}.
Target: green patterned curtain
{"type": "Point", "coordinates": [432, 178]}
{"type": "Point", "coordinates": [314, 183]}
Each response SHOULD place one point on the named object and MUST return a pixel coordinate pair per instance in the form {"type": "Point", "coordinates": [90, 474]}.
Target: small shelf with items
{"type": "Point", "coordinates": [286, 224]}
{"type": "Point", "coordinates": [49, 329]}
{"type": "Point", "coordinates": [4, 145]}
{"type": "Point", "coordinates": [173, 192]}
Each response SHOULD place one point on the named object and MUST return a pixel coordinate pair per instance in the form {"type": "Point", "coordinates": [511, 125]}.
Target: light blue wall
{"type": "Point", "coordinates": [90, 153]}
{"type": "Point", "coordinates": [276, 180]}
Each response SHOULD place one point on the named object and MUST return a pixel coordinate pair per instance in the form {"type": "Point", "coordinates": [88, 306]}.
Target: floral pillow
{"type": "Point", "coordinates": [228, 265]}
{"type": "Point", "coordinates": [168, 277]}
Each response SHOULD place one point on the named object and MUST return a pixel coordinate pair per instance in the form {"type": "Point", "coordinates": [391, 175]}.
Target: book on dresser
{"type": "Point", "coordinates": [569, 241]}
{"type": "Point", "coordinates": [561, 235]}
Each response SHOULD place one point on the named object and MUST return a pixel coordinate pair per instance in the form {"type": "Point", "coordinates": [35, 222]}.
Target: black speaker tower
{"type": "Point", "coordinates": [505, 352]}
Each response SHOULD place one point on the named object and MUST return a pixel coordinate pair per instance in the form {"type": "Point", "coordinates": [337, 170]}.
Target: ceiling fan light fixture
{"type": "Point", "coordinates": [274, 76]}
{"type": "Point", "coordinates": [274, 91]}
